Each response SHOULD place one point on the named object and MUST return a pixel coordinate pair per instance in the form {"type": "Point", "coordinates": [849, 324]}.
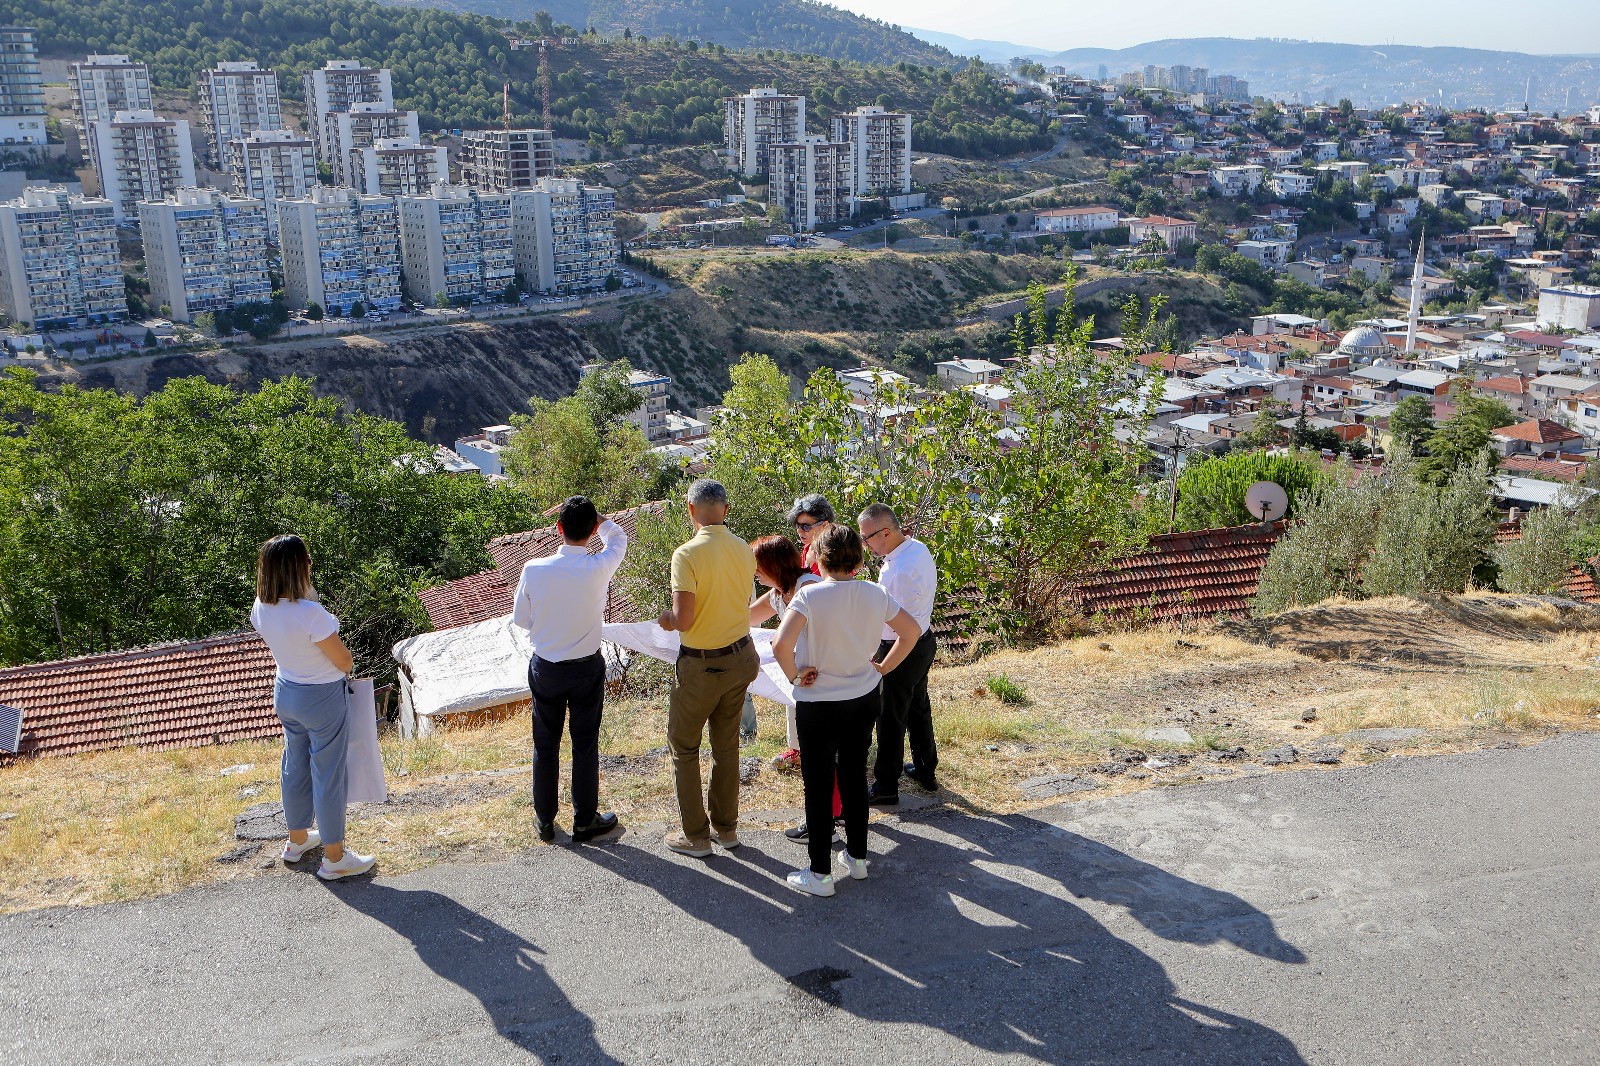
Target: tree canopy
{"type": "Point", "coordinates": [138, 521]}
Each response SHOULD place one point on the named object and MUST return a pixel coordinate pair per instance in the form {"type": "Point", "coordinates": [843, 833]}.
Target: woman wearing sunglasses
{"type": "Point", "coordinates": [810, 515]}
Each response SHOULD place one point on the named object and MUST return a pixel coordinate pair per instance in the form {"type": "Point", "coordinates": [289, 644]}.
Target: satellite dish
{"type": "Point", "coordinates": [1266, 501]}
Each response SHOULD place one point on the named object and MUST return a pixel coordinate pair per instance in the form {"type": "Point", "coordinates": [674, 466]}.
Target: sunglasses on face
{"type": "Point", "coordinates": [806, 527]}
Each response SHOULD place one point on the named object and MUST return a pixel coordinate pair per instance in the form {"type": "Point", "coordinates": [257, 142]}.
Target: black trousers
{"type": "Point", "coordinates": [578, 685]}
{"type": "Point", "coordinates": [834, 737]}
{"type": "Point", "coordinates": [906, 709]}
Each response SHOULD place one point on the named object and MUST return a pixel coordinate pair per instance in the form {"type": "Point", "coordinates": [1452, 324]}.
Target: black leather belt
{"type": "Point", "coordinates": [716, 653]}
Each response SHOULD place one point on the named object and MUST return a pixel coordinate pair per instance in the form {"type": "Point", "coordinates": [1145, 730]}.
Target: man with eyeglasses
{"type": "Point", "coordinates": [911, 577]}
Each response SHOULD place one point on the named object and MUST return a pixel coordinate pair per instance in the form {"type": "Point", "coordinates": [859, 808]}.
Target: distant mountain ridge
{"type": "Point", "coordinates": [1370, 75]}
{"type": "Point", "coordinates": [804, 26]}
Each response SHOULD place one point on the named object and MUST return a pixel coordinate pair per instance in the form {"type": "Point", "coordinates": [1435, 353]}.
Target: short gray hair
{"type": "Point", "coordinates": [880, 512]}
{"type": "Point", "coordinates": [705, 492]}
{"type": "Point", "coordinates": [816, 505]}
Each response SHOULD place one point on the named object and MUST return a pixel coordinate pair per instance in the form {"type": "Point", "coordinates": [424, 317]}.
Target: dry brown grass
{"type": "Point", "coordinates": [1475, 670]}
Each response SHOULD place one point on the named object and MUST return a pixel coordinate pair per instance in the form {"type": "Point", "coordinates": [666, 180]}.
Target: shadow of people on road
{"type": "Point", "coordinates": [966, 925]}
{"type": "Point", "coordinates": [1169, 906]}
{"type": "Point", "coordinates": [499, 968]}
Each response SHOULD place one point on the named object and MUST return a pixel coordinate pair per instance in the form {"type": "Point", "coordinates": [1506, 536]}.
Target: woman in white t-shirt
{"type": "Point", "coordinates": [825, 646]}
{"type": "Point", "coordinates": [310, 697]}
{"type": "Point", "coordinates": [779, 567]}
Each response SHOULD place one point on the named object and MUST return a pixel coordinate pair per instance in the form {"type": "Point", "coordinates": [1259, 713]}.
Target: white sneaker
{"type": "Point", "coordinates": [293, 852]}
{"type": "Point", "coordinates": [812, 882]}
{"type": "Point", "coordinates": [856, 868]}
{"type": "Point", "coordinates": [348, 865]}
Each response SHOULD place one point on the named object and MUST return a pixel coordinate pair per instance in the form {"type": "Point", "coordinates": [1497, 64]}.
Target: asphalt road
{"type": "Point", "coordinates": [1419, 911]}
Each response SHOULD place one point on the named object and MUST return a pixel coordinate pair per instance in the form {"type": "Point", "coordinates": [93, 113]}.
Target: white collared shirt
{"type": "Point", "coordinates": [561, 598]}
{"type": "Point", "coordinates": [912, 579]}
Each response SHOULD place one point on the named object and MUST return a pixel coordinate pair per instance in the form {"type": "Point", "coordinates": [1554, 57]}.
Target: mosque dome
{"type": "Point", "coordinates": [1366, 341]}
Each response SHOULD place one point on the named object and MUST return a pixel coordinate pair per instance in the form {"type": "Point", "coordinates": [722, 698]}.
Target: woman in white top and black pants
{"type": "Point", "coordinates": [825, 644]}
{"type": "Point", "coordinates": [310, 697]}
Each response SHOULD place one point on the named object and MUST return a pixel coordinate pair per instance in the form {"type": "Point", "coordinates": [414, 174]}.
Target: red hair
{"type": "Point", "coordinates": [779, 559]}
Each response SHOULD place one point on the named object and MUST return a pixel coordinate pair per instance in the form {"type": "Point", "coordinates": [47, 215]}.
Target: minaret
{"type": "Point", "coordinates": [1416, 298]}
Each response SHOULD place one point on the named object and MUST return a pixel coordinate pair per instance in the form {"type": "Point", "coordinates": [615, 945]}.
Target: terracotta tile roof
{"type": "Point", "coordinates": [1511, 383]}
{"type": "Point", "coordinates": [1184, 575]}
{"type": "Point", "coordinates": [1538, 431]}
{"type": "Point", "coordinates": [1549, 469]}
{"type": "Point", "coordinates": [1580, 585]}
{"type": "Point", "coordinates": [180, 695]}
{"type": "Point", "coordinates": [489, 594]}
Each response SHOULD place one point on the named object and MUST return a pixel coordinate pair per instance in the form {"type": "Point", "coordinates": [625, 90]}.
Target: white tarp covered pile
{"type": "Point", "coordinates": [647, 638]}
{"type": "Point", "coordinates": [467, 668]}
{"type": "Point", "coordinates": [485, 664]}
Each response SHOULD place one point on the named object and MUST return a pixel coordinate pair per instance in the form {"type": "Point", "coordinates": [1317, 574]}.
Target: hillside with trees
{"type": "Point", "coordinates": [451, 67]}
{"type": "Point", "coordinates": [802, 26]}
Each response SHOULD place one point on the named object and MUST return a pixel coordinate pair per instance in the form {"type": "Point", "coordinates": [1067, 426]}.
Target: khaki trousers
{"type": "Point", "coordinates": [708, 692]}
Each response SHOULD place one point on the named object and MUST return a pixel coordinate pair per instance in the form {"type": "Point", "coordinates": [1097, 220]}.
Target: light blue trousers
{"type": "Point", "coordinates": [315, 742]}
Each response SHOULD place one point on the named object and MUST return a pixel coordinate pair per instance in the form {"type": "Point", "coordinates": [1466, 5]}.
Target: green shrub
{"type": "Point", "coordinates": [1006, 690]}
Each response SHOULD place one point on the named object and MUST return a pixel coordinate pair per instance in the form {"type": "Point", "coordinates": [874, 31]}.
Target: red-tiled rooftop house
{"type": "Point", "coordinates": [1181, 576]}
{"type": "Point", "coordinates": [489, 594]}
{"type": "Point", "coordinates": [185, 694]}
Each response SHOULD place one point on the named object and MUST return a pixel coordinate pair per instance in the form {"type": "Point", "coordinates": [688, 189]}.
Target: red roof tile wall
{"type": "Point", "coordinates": [1200, 574]}
{"type": "Point", "coordinates": [179, 695]}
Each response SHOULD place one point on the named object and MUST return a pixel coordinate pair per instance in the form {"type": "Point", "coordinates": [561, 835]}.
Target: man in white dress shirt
{"type": "Point", "coordinates": [561, 602]}
{"type": "Point", "coordinates": [911, 577]}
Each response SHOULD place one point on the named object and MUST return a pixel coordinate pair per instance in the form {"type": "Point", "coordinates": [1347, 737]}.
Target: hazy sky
{"type": "Point", "coordinates": [1548, 26]}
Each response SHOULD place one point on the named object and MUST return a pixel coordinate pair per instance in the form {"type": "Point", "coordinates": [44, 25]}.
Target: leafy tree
{"type": "Point", "coordinates": [582, 445]}
{"type": "Point", "coordinates": [441, 300]}
{"type": "Point", "coordinates": [150, 338]}
{"type": "Point", "coordinates": [137, 521]}
{"type": "Point", "coordinates": [1541, 558]}
{"type": "Point", "coordinates": [1464, 436]}
{"type": "Point", "coordinates": [1018, 525]}
{"type": "Point", "coordinates": [511, 294]}
{"type": "Point", "coordinates": [1411, 423]}
{"type": "Point", "coordinates": [1387, 532]}
{"type": "Point", "coordinates": [1264, 430]}
{"type": "Point", "coordinates": [314, 311]}
{"type": "Point", "coordinates": [358, 309]}
{"type": "Point", "coordinates": [1211, 491]}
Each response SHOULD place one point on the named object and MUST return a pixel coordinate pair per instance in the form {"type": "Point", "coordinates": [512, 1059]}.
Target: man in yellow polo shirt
{"type": "Point", "coordinates": [712, 575]}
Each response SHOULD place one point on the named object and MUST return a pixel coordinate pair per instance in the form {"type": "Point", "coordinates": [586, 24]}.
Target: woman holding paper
{"type": "Point", "coordinates": [825, 646]}
{"type": "Point", "coordinates": [310, 700]}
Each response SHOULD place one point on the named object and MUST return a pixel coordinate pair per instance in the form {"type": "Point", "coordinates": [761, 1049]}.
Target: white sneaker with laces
{"type": "Point", "coordinates": [293, 852]}
{"type": "Point", "coordinates": [812, 882]}
{"type": "Point", "coordinates": [349, 865]}
{"type": "Point", "coordinates": [856, 868]}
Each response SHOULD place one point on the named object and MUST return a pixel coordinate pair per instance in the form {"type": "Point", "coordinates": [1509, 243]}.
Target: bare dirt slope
{"type": "Point", "coordinates": [442, 382]}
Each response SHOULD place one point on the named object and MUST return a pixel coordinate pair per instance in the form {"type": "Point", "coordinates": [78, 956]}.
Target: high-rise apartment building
{"type": "Point", "coordinates": [363, 126]}
{"type": "Point", "coordinates": [272, 166]}
{"type": "Point", "coordinates": [398, 167]}
{"type": "Point", "coordinates": [141, 156]}
{"type": "Point", "coordinates": [812, 182]}
{"type": "Point", "coordinates": [238, 99]}
{"type": "Point", "coordinates": [502, 160]}
{"type": "Point", "coordinates": [455, 244]}
{"type": "Point", "coordinates": [21, 88]}
{"type": "Point", "coordinates": [340, 248]}
{"type": "Point", "coordinates": [103, 85]}
{"type": "Point", "coordinates": [205, 251]}
{"type": "Point", "coordinates": [754, 122]}
{"type": "Point", "coordinates": [880, 150]}
{"type": "Point", "coordinates": [337, 87]}
{"type": "Point", "coordinates": [58, 259]}
{"type": "Point", "coordinates": [565, 235]}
